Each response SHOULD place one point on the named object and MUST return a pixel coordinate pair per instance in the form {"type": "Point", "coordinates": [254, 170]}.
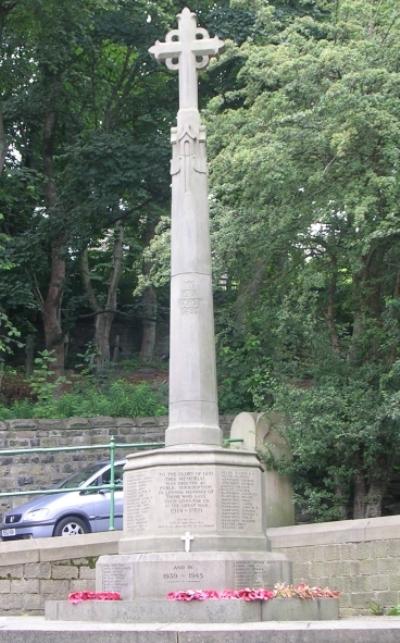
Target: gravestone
{"type": "Point", "coordinates": [265, 433]}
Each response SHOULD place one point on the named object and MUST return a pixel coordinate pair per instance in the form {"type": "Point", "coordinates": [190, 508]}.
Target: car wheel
{"type": "Point", "coordinates": [71, 526]}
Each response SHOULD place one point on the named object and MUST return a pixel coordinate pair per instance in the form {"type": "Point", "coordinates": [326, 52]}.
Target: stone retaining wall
{"type": "Point", "coordinates": [37, 471]}
{"type": "Point", "coordinates": [34, 571]}
{"type": "Point", "coordinates": [361, 558]}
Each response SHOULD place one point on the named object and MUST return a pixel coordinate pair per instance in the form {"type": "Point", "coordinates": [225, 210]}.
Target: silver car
{"type": "Point", "coordinates": [69, 513]}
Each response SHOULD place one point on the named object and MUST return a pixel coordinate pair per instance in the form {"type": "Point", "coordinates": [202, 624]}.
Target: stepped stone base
{"type": "Point", "coordinates": [154, 575]}
{"type": "Point", "coordinates": [209, 611]}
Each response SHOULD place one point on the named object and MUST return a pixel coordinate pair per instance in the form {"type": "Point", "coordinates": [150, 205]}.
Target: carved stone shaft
{"type": "Point", "coordinates": [193, 406]}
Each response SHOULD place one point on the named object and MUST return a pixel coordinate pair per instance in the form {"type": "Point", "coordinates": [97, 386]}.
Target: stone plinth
{"type": "Point", "coordinates": [154, 575]}
{"type": "Point", "coordinates": [194, 518]}
{"type": "Point", "coordinates": [214, 494]}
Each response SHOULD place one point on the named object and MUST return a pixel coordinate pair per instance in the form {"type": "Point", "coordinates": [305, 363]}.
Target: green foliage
{"type": "Point", "coordinates": [376, 609]}
{"type": "Point", "coordinates": [305, 202]}
{"type": "Point", "coordinates": [8, 335]}
{"type": "Point", "coordinates": [42, 382]}
{"type": "Point", "coordinates": [394, 611]}
{"type": "Point", "coordinates": [120, 399]}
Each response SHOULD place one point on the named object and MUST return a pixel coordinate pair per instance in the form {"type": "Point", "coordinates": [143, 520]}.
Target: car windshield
{"type": "Point", "coordinates": [77, 479]}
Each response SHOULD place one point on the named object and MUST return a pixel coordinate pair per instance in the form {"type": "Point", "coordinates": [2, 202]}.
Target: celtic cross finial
{"type": "Point", "coordinates": [187, 49]}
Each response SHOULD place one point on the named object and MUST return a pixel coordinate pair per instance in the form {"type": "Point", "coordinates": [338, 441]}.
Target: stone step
{"type": "Point", "coordinates": [362, 630]}
{"type": "Point", "coordinates": [147, 610]}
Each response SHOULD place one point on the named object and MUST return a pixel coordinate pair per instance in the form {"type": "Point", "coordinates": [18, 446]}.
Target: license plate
{"type": "Point", "coordinates": [8, 532]}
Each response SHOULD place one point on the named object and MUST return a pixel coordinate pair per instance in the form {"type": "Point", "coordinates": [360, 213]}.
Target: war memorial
{"type": "Point", "coordinates": [194, 514]}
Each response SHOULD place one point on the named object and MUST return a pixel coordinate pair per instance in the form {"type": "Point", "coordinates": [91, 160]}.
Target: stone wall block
{"type": "Point", "coordinates": [381, 548]}
{"type": "Point", "coordinates": [387, 565]}
{"type": "Point", "coordinates": [24, 586]}
{"type": "Point", "coordinates": [78, 562]}
{"type": "Point", "coordinates": [363, 550]}
{"type": "Point", "coordinates": [394, 548]}
{"type": "Point", "coordinates": [127, 423]}
{"type": "Point", "coordinates": [350, 568]}
{"type": "Point", "coordinates": [387, 599]}
{"type": "Point", "coordinates": [376, 582]}
{"type": "Point", "coordinates": [87, 573]}
{"type": "Point", "coordinates": [103, 421]}
{"type": "Point", "coordinates": [301, 572]}
{"type": "Point", "coordinates": [5, 586]}
{"type": "Point", "coordinates": [394, 581]}
{"type": "Point", "coordinates": [64, 572]}
{"type": "Point", "coordinates": [57, 588]}
{"type": "Point", "coordinates": [82, 585]}
{"type": "Point", "coordinates": [76, 423]}
{"type": "Point", "coordinates": [11, 571]}
{"type": "Point", "coordinates": [363, 599]}
{"type": "Point", "coordinates": [33, 603]}
{"type": "Point", "coordinates": [37, 570]}
{"type": "Point", "coordinates": [332, 552]}
{"type": "Point", "coordinates": [368, 566]}
{"type": "Point", "coordinates": [14, 602]}
{"type": "Point", "coordinates": [21, 425]}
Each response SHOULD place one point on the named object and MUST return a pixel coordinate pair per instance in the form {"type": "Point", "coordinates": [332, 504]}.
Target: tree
{"type": "Point", "coordinates": [83, 141]}
{"type": "Point", "coordinates": [306, 226]}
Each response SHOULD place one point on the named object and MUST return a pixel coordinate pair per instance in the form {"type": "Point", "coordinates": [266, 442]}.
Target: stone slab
{"type": "Point", "coordinates": [154, 575]}
{"type": "Point", "coordinates": [209, 611]}
{"type": "Point", "coordinates": [363, 630]}
{"type": "Point", "coordinates": [60, 548]}
{"type": "Point", "coordinates": [343, 531]}
{"type": "Point", "coordinates": [155, 610]}
{"type": "Point", "coordinates": [295, 609]}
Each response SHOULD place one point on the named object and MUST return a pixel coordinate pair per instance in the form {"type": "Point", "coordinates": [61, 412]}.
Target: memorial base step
{"type": "Point", "coordinates": [208, 611]}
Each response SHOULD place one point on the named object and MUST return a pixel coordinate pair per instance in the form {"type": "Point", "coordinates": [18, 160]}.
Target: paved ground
{"type": "Point", "coordinates": [27, 629]}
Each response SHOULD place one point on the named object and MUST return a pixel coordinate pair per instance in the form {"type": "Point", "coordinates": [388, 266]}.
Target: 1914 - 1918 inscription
{"type": "Point", "coordinates": [187, 497]}
{"type": "Point", "coordinates": [240, 495]}
{"type": "Point", "coordinates": [193, 498]}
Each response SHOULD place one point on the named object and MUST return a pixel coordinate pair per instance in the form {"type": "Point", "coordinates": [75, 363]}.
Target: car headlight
{"type": "Point", "coordinates": [37, 514]}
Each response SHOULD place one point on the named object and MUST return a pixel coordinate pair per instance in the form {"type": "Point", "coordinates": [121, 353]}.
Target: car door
{"type": "Point", "coordinates": [98, 507]}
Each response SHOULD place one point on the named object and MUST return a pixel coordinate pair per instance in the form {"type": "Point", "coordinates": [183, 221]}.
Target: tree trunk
{"type": "Point", "coordinates": [102, 333]}
{"type": "Point", "coordinates": [104, 316]}
{"type": "Point", "coordinates": [374, 498]}
{"type": "Point", "coordinates": [359, 495]}
{"type": "Point", "coordinates": [51, 308]}
{"type": "Point", "coordinates": [116, 349]}
{"type": "Point", "coordinates": [29, 354]}
{"type": "Point", "coordinates": [330, 313]}
{"type": "Point", "coordinates": [3, 143]}
{"type": "Point", "coordinates": [149, 324]}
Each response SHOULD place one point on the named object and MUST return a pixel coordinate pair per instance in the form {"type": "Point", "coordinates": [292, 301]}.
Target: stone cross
{"type": "Point", "coordinates": [187, 49]}
{"type": "Point", "coordinates": [193, 406]}
{"type": "Point", "coordinates": [187, 538]}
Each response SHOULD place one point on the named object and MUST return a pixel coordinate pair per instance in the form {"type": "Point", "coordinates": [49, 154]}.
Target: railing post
{"type": "Point", "coordinates": [111, 525]}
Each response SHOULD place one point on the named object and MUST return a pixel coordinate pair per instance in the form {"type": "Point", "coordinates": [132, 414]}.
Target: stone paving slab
{"type": "Point", "coordinates": [26, 629]}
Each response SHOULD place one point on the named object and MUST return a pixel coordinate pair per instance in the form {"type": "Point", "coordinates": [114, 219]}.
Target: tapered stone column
{"type": "Point", "coordinates": [193, 407]}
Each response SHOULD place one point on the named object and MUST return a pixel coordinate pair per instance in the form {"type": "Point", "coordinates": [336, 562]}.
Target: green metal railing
{"type": "Point", "coordinates": [111, 486]}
